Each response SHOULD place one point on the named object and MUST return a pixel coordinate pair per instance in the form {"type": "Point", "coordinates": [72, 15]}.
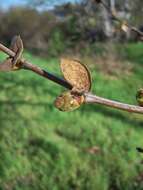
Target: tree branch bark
{"type": "Point", "coordinates": [89, 98]}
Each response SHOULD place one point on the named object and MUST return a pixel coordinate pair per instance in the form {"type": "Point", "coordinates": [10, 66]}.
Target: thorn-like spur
{"type": "Point", "coordinates": [13, 63]}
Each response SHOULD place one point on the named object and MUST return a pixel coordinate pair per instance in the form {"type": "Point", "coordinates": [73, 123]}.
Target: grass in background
{"type": "Point", "coordinates": [42, 148]}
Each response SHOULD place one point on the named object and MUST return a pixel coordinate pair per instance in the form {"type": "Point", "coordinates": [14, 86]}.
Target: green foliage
{"type": "Point", "coordinates": [33, 27]}
{"type": "Point", "coordinates": [42, 148]}
{"type": "Point", "coordinates": [49, 33]}
{"type": "Point", "coordinates": [56, 45]}
{"type": "Point", "coordinates": [133, 52]}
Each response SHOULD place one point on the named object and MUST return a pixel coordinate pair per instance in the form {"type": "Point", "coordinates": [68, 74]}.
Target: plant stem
{"type": "Point", "coordinates": [28, 66]}
{"type": "Point", "coordinates": [43, 73]}
{"type": "Point", "coordinates": [89, 98]}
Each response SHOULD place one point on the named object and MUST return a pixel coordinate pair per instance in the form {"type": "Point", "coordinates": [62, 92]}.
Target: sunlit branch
{"type": "Point", "coordinates": [89, 98]}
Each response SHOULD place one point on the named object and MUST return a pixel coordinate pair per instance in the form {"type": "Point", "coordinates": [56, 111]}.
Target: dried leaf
{"type": "Point", "coordinates": [10, 63]}
{"type": "Point", "coordinates": [17, 47]}
{"type": "Point", "coordinates": [76, 74]}
{"type": "Point", "coordinates": [16, 44]}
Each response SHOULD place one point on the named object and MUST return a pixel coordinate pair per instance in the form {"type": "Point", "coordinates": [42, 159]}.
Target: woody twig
{"type": "Point", "coordinates": [88, 97]}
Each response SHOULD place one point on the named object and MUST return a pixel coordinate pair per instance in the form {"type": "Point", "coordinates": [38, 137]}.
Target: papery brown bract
{"type": "Point", "coordinates": [11, 64]}
{"type": "Point", "coordinates": [76, 74]}
{"type": "Point", "coordinates": [17, 47]}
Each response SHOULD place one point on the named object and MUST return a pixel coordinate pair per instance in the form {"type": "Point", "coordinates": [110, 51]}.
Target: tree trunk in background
{"type": "Point", "coordinates": [107, 20]}
{"type": "Point", "coordinates": [122, 11]}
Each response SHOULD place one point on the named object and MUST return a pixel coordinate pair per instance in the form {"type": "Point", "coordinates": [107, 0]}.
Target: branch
{"type": "Point", "coordinates": [132, 28]}
{"type": "Point", "coordinates": [89, 98]}
{"type": "Point", "coordinates": [28, 66]}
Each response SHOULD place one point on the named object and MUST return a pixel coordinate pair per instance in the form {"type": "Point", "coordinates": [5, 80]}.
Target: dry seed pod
{"type": "Point", "coordinates": [76, 74]}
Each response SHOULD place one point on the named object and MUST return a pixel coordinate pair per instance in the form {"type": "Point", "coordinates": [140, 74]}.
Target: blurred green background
{"type": "Point", "coordinates": [44, 149]}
